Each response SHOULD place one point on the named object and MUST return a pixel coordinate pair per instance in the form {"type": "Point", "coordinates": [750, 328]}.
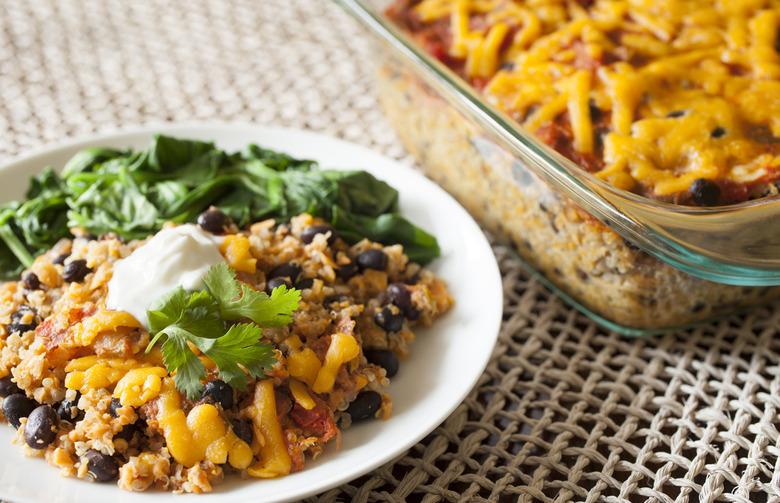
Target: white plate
{"type": "Point", "coordinates": [445, 363]}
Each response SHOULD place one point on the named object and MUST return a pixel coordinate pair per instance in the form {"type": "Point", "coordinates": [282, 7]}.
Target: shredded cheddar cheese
{"type": "Point", "coordinates": [200, 434]}
{"type": "Point", "coordinates": [84, 333]}
{"type": "Point", "coordinates": [343, 348]}
{"type": "Point", "coordinates": [302, 362]}
{"type": "Point", "coordinates": [236, 250]}
{"type": "Point", "coordinates": [656, 93]}
{"type": "Point", "coordinates": [140, 385]}
{"type": "Point", "coordinates": [274, 458]}
{"type": "Point", "coordinates": [301, 394]}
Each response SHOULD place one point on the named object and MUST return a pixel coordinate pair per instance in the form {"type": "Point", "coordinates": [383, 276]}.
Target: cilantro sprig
{"type": "Point", "coordinates": [211, 321]}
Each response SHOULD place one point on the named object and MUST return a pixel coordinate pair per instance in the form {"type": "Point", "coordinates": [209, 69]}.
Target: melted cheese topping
{"type": "Point", "coordinates": [683, 85]}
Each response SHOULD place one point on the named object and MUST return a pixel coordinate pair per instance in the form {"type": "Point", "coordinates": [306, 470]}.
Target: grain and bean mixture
{"type": "Point", "coordinates": [79, 387]}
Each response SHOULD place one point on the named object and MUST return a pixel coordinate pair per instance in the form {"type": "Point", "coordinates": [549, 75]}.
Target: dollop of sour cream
{"type": "Point", "coordinates": [179, 256]}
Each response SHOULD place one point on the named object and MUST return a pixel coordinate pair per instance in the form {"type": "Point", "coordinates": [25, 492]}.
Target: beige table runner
{"type": "Point", "coordinates": [565, 410]}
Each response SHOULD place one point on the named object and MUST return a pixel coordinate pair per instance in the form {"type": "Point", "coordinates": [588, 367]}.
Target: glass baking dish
{"type": "Point", "coordinates": [646, 266]}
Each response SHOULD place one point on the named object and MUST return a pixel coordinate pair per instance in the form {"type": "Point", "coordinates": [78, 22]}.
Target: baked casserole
{"type": "Point", "coordinates": [676, 101]}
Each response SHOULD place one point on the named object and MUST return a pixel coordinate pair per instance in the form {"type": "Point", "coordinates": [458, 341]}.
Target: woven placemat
{"type": "Point", "coordinates": [565, 411]}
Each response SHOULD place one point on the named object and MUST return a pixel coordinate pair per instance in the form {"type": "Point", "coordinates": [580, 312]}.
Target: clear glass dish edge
{"type": "Point", "coordinates": [734, 244]}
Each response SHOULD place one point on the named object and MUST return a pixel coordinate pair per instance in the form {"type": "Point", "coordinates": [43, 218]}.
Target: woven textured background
{"type": "Point", "coordinates": [565, 410]}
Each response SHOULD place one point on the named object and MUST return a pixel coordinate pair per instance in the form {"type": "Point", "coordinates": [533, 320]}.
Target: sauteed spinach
{"type": "Point", "coordinates": [133, 193]}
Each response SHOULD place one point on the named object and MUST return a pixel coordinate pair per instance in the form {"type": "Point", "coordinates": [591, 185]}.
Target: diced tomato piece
{"type": "Point", "coordinates": [317, 422]}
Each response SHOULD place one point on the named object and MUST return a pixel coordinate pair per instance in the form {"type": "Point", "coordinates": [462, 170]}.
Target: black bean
{"type": "Point", "coordinates": [68, 410]}
{"type": "Point", "coordinates": [101, 466]}
{"type": "Point", "coordinates": [128, 431]}
{"type": "Point", "coordinates": [718, 132]}
{"type": "Point", "coordinates": [19, 328]}
{"type": "Point", "coordinates": [114, 407]}
{"type": "Point", "coordinates": [399, 295]}
{"type": "Point", "coordinates": [61, 259]}
{"type": "Point", "coordinates": [307, 235]}
{"type": "Point", "coordinates": [274, 283]}
{"type": "Point", "coordinates": [19, 315]}
{"type": "Point", "coordinates": [41, 427]}
{"type": "Point", "coordinates": [22, 320]}
{"type": "Point", "coordinates": [388, 320]}
{"type": "Point", "coordinates": [219, 391]}
{"type": "Point", "coordinates": [339, 297]}
{"type": "Point", "coordinates": [347, 270]}
{"type": "Point", "coordinates": [304, 284]}
{"type": "Point", "coordinates": [75, 271]}
{"type": "Point", "coordinates": [384, 358]}
{"type": "Point", "coordinates": [8, 387]}
{"type": "Point", "coordinates": [595, 111]}
{"type": "Point", "coordinates": [365, 405]}
{"type": "Point", "coordinates": [372, 259]}
{"type": "Point", "coordinates": [674, 114]}
{"type": "Point", "coordinates": [243, 429]}
{"type": "Point", "coordinates": [412, 314]}
{"type": "Point", "coordinates": [17, 406]}
{"type": "Point", "coordinates": [30, 281]}
{"type": "Point", "coordinates": [288, 270]}
{"type": "Point", "coordinates": [705, 192]}
{"type": "Point", "coordinates": [413, 280]}
{"type": "Point", "coordinates": [214, 221]}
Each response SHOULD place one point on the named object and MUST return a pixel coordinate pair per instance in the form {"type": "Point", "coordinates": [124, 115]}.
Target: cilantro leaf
{"type": "Point", "coordinates": [221, 283]}
{"type": "Point", "coordinates": [239, 346]}
{"type": "Point", "coordinates": [193, 313]}
{"type": "Point", "coordinates": [237, 301]}
{"type": "Point", "coordinates": [278, 312]}
{"type": "Point", "coordinates": [203, 319]}
{"type": "Point", "coordinates": [185, 309]}
{"type": "Point", "coordinates": [178, 357]}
